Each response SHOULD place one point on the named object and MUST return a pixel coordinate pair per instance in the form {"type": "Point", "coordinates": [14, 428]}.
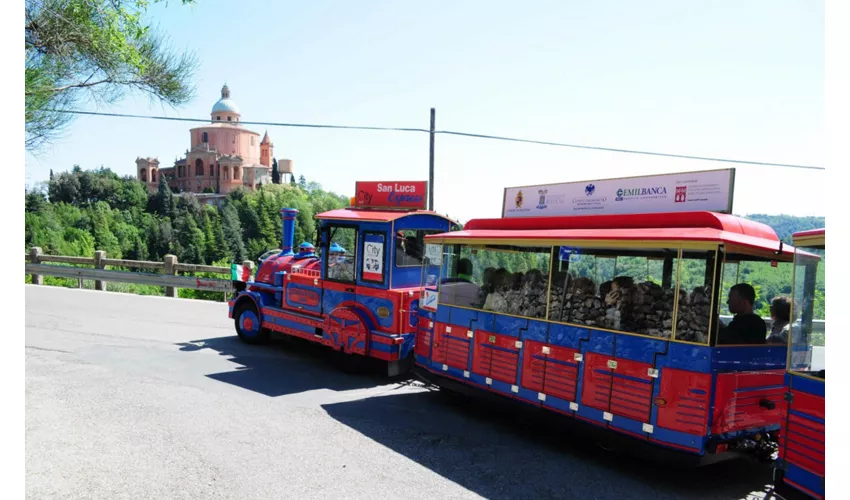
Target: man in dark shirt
{"type": "Point", "coordinates": [746, 327]}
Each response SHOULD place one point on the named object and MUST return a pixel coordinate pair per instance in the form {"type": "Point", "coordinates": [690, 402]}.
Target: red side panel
{"type": "Point", "coordinates": [738, 398]}
{"type": "Point", "coordinates": [686, 397]}
{"type": "Point", "coordinates": [505, 363]}
{"type": "Point", "coordinates": [804, 439]}
{"type": "Point", "coordinates": [596, 388]}
{"type": "Point", "coordinates": [422, 347]}
{"type": "Point", "coordinates": [438, 353]}
{"type": "Point", "coordinates": [457, 347]}
{"type": "Point", "coordinates": [551, 370]}
{"type": "Point", "coordinates": [631, 390]}
{"type": "Point", "coordinates": [533, 366]}
{"type": "Point", "coordinates": [496, 356]}
{"type": "Point", "coordinates": [481, 355]}
{"type": "Point", "coordinates": [561, 373]}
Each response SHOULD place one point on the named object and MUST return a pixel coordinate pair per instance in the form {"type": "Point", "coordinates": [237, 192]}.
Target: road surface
{"type": "Point", "coordinates": [147, 397]}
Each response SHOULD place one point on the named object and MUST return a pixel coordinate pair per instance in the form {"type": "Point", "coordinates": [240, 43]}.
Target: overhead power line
{"type": "Point", "coordinates": [450, 132]}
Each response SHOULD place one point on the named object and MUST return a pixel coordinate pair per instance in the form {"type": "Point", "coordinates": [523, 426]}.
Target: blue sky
{"type": "Point", "coordinates": [723, 78]}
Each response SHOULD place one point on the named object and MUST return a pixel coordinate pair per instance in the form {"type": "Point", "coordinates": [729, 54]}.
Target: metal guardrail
{"type": "Point", "coordinates": [167, 278]}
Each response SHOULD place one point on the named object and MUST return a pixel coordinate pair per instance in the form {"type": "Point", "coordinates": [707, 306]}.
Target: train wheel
{"type": "Point", "coordinates": [248, 325]}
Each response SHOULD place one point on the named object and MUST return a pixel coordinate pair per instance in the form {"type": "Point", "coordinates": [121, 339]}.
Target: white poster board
{"type": "Point", "coordinates": [708, 190]}
{"type": "Point", "coordinates": [373, 258]}
{"type": "Point", "coordinates": [434, 253]}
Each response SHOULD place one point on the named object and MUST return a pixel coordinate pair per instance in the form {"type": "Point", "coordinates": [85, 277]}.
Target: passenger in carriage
{"type": "Point", "coordinates": [461, 290]}
{"type": "Point", "coordinates": [780, 314]}
{"type": "Point", "coordinates": [746, 327]}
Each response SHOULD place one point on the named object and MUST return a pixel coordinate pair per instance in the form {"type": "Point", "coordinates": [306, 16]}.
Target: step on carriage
{"type": "Point", "coordinates": [800, 469]}
{"type": "Point", "coordinates": [355, 290]}
{"type": "Point", "coordinates": [616, 319]}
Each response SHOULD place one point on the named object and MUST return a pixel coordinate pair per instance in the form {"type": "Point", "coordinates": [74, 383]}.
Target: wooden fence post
{"type": "Point", "coordinates": [171, 270]}
{"type": "Point", "coordinates": [99, 255]}
{"type": "Point", "coordinates": [35, 252]}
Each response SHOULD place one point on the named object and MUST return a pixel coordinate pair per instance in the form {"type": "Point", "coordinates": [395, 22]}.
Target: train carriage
{"type": "Point", "coordinates": [800, 469]}
{"type": "Point", "coordinates": [353, 291]}
{"type": "Point", "coordinates": [615, 320]}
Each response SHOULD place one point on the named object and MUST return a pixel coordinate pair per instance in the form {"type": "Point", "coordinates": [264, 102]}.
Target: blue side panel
{"type": "Point", "coordinates": [291, 324]}
{"type": "Point", "coordinates": [444, 313]}
{"type": "Point", "coordinates": [331, 298]}
{"type": "Point", "coordinates": [484, 322]}
{"type": "Point", "coordinates": [803, 384]}
{"type": "Point", "coordinates": [627, 424]}
{"type": "Point", "coordinates": [509, 325]}
{"type": "Point", "coordinates": [679, 438]}
{"type": "Point", "coordinates": [600, 342]}
{"type": "Point", "coordinates": [537, 330]}
{"type": "Point", "coordinates": [734, 358]}
{"type": "Point", "coordinates": [567, 336]}
{"type": "Point", "coordinates": [639, 349]}
{"type": "Point", "coordinates": [462, 317]}
{"type": "Point", "coordinates": [690, 357]}
{"type": "Point", "coordinates": [558, 404]}
{"type": "Point", "coordinates": [407, 345]}
{"type": "Point", "coordinates": [805, 479]}
{"type": "Point", "coordinates": [373, 303]}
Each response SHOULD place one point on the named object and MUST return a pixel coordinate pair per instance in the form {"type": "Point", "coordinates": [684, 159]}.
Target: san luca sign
{"type": "Point", "coordinates": [391, 194]}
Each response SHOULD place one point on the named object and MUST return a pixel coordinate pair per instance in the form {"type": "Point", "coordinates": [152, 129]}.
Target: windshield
{"type": "Point", "coordinates": [807, 317]}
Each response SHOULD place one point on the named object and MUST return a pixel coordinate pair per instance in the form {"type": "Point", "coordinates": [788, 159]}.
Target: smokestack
{"type": "Point", "coordinates": [287, 215]}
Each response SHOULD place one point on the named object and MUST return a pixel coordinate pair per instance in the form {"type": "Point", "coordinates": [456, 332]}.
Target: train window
{"type": "Point", "coordinates": [807, 316]}
{"type": "Point", "coordinates": [738, 318]}
{"type": "Point", "coordinates": [505, 279]}
{"type": "Point", "coordinates": [342, 254]}
{"type": "Point", "coordinates": [623, 290]}
{"type": "Point", "coordinates": [410, 246]}
{"type": "Point", "coordinates": [695, 282]}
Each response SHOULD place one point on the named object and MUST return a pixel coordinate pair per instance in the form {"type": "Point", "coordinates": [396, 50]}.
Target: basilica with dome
{"type": "Point", "coordinates": [223, 156]}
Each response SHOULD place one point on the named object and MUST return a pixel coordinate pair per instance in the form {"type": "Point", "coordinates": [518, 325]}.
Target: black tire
{"type": "Point", "coordinates": [256, 334]}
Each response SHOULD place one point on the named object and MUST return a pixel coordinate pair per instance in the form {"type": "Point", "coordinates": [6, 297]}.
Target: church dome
{"type": "Point", "coordinates": [225, 104]}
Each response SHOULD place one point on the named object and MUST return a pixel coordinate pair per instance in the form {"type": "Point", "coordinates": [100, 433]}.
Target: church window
{"type": "Point", "coordinates": [143, 174]}
{"type": "Point", "coordinates": [228, 118]}
{"type": "Point", "coordinates": [153, 175]}
{"type": "Point", "coordinates": [218, 118]}
{"type": "Point", "coordinates": [206, 138]}
{"type": "Point", "coordinates": [252, 140]}
{"type": "Point", "coordinates": [199, 167]}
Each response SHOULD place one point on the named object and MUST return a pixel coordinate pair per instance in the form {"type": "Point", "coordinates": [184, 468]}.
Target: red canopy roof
{"type": "Point", "coordinates": [706, 220]}
{"type": "Point", "coordinates": [360, 214]}
{"type": "Point", "coordinates": [689, 226]}
{"type": "Point", "coordinates": [809, 233]}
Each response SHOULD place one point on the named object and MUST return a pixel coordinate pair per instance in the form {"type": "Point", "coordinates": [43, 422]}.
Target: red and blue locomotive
{"type": "Point", "coordinates": [356, 290]}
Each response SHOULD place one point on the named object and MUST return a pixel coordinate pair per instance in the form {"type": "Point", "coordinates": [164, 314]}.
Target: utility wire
{"type": "Point", "coordinates": [449, 132]}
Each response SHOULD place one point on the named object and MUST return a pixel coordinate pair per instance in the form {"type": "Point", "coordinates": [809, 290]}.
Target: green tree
{"type": "Point", "coordinates": [275, 172]}
{"type": "Point", "coordinates": [80, 50]}
{"type": "Point", "coordinates": [302, 182]}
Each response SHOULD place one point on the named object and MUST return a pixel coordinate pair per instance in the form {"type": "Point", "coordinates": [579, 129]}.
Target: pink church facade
{"type": "Point", "coordinates": [223, 156]}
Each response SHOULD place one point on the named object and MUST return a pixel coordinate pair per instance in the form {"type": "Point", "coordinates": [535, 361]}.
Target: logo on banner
{"type": "Point", "coordinates": [589, 189]}
{"type": "Point", "coordinates": [681, 194]}
{"type": "Point", "coordinates": [542, 193]}
{"type": "Point", "coordinates": [518, 199]}
{"type": "Point", "coordinates": [641, 193]}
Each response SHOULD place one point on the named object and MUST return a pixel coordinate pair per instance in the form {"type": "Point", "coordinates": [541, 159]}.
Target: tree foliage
{"type": "Point", "coordinates": [88, 210]}
{"type": "Point", "coordinates": [95, 50]}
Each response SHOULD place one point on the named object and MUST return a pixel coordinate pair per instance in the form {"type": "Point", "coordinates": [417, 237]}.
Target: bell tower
{"type": "Point", "coordinates": [266, 151]}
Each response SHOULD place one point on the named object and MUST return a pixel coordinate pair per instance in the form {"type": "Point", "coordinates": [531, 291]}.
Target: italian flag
{"type": "Point", "coordinates": [239, 273]}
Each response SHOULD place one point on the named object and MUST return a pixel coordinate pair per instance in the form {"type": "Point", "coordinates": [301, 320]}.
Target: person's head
{"type": "Point", "coordinates": [464, 268]}
{"type": "Point", "coordinates": [741, 298]}
{"type": "Point", "coordinates": [780, 309]}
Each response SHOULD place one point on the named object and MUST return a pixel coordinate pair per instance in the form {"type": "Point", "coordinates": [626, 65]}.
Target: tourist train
{"type": "Point", "coordinates": [608, 302]}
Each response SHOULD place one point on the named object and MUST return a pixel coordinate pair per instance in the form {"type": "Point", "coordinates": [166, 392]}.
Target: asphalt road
{"type": "Point", "coordinates": [147, 397]}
